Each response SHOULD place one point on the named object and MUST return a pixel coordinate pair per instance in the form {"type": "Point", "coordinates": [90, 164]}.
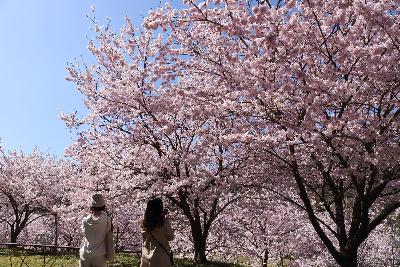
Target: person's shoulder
{"type": "Point", "coordinates": [105, 217]}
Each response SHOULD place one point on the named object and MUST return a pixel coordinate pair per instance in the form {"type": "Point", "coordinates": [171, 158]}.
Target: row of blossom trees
{"type": "Point", "coordinates": [300, 98]}
{"type": "Point", "coordinates": [43, 199]}
{"type": "Point", "coordinates": [30, 189]}
{"type": "Point", "coordinates": [37, 188]}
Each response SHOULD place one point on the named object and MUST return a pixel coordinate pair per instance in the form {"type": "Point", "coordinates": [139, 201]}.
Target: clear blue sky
{"type": "Point", "coordinates": [38, 38]}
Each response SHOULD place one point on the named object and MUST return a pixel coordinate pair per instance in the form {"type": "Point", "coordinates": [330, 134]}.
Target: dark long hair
{"type": "Point", "coordinates": [103, 208]}
{"type": "Point", "coordinates": [154, 214]}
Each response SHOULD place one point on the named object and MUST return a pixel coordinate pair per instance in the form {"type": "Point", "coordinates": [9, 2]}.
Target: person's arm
{"type": "Point", "coordinates": [143, 231]}
{"type": "Point", "coordinates": [109, 224]}
{"type": "Point", "coordinates": [83, 226]}
{"type": "Point", "coordinates": [169, 231]}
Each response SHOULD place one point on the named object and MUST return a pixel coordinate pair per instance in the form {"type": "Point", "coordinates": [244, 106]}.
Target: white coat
{"type": "Point", "coordinates": [152, 254]}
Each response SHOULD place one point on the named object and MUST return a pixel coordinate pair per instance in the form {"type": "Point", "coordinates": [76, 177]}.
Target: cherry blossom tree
{"type": "Point", "coordinates": [148, 135]}
{"type": "Point", "coordinates": [29, 189]}
{"type": "Point", "coordinates": [266, 230]}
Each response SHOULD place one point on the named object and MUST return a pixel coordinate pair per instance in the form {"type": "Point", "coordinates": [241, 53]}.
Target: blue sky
{"type": "Point", "coordinates": [38, 38]}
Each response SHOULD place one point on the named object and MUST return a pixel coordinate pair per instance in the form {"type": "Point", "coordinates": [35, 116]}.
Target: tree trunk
{"type": "Point", "coordinates": [348, 259]}
{"type": "Point", "coordinates": [265, 258]}
{"type": "Point", "coordinates": [14, 236]}
{"type": "Point", "coordinates": [199, 240]}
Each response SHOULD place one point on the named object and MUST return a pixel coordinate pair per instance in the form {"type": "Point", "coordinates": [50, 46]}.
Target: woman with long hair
{"type": "Point", "coordinates": [156, 234]}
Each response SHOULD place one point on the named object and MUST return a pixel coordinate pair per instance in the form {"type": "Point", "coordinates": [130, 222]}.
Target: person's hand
{"type": "Point", "coordinates": [166, 212]}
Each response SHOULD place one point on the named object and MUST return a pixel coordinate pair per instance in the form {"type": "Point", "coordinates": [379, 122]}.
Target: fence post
{"type": "Point", "coordinates": [117, 238]}
{"type": "Point", "coordinates": [56, 233]}
{"type": "Point", "coordinates": [44, 256]}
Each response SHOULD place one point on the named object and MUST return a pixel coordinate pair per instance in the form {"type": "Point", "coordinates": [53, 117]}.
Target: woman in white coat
{"type": "Point", "coordinates": [156, 234]}
{"type": "Point", "coordinates": [94, 229]}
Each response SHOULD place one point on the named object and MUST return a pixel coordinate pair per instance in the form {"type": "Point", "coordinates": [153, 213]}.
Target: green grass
{"type": "Point", "coordinates": [125, 260]}
{"type": "Point", "coordinates": [38, 261]}
{"type": "Point", "coordinates": [71, 260]}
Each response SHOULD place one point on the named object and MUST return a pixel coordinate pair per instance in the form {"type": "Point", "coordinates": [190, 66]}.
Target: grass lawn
{"type": "Point", "coordinates": [122, 260]}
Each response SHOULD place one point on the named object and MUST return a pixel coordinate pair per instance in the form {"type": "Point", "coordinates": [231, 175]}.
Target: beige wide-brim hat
{"type": "Point", "coordinates": [98, 201]}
